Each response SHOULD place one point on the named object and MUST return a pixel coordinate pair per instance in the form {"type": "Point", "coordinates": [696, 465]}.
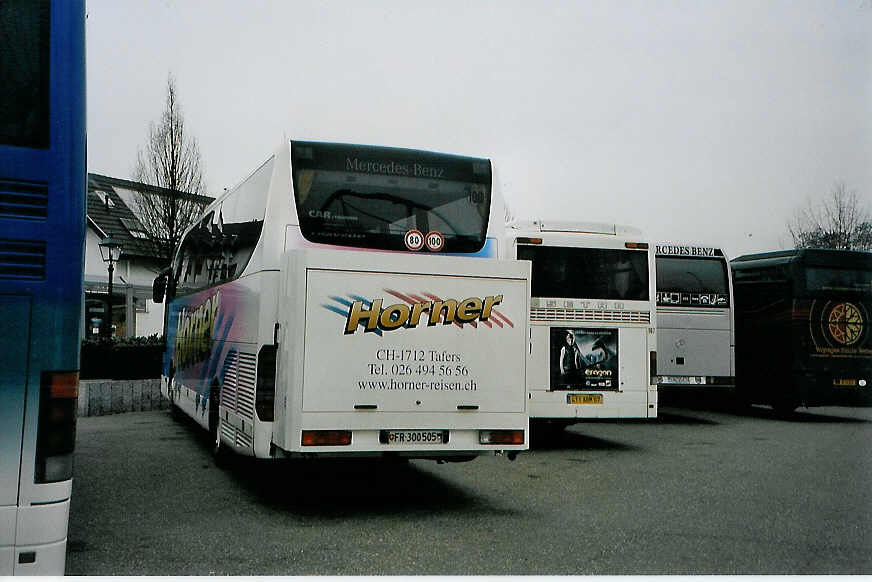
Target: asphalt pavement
{"type": "Point", "coordinates": [694, 492]}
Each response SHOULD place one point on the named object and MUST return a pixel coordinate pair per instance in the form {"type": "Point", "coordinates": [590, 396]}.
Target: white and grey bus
{"type": "Point", "coordinates": [695, 333]}
{"type": "Point", "coordinates": [317, 310]}
{"type": "Point", "coordinates": [592, 320]}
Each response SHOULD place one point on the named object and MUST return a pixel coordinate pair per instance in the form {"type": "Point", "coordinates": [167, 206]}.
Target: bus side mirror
{"type": "Point", "coordinates": [158, 288]}
{"type": "Point", "coordinates": [171, 286]}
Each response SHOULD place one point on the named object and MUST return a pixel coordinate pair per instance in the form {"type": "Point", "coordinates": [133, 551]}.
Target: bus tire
{"type": "Point", "coordinates": [219, 451]}
{"type": "Point", "coordinates": [544, 431]}
{"type": "Point", "coordinates": [175, 411]}
{"type": "Point", "coordinates": [739, 401]}
{"type": "Point", "coordinates": [784, 406]}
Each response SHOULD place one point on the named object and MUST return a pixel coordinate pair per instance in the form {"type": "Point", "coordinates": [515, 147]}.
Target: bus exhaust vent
{"type": "Point", "coordinates": [22, 260]}
{"type": "Point", "coordinates": [23, 199]}
{"type": "Point", "coordinates": [552, 314]}
{"type": "Point", "coordinates": [237, 391]}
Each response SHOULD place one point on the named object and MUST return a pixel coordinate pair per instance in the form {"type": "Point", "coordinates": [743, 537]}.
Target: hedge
{"type": "Point", "coordinates": [122, 359]}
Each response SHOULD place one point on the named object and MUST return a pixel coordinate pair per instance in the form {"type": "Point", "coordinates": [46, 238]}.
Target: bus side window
{"type": "Point", "coordinates": [240, 223]}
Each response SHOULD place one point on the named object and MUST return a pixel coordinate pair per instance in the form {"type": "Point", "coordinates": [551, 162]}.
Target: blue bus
{"type": "Point", "coordinates": [42, 237]}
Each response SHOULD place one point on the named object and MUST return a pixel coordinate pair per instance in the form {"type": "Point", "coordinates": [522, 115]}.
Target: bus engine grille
{"type": "Point", "coordinates": [595, 315]}
{"type": "Point", "coordinates": [236, 436]}
{"type": "Point", "coordinates": [237, 391]}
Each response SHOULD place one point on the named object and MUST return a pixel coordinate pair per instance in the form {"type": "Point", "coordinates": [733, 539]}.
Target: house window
{"type": "Point", "coordinates": [105, 198]}
{"type": "Point", "coordinates": [135, 228]}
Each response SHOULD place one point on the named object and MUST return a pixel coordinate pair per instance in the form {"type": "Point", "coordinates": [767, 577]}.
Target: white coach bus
{"type": "Point", "coordinates": [316, 309]}
{"type": "Point", "coordinates": [695, 333]}
{"type": "Point", "coordinates": [592, 320]}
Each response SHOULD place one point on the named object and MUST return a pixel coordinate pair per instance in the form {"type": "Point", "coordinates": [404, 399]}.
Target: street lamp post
{"type": "Point", "coordinates": [110, 250]}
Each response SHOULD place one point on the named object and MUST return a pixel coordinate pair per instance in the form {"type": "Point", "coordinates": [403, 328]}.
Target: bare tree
{"type": "Point", "coordinates": [839, 221]}
{"type": "Point", "coordinates": [169, 160]}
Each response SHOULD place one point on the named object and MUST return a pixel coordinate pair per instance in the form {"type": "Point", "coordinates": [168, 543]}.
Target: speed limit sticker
{"type": "Point", "coordinates": [414, 240]}
{"type": "Point", "coordinates": [434, 241]}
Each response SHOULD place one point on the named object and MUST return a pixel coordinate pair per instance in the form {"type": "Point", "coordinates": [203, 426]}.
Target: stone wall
{"type": "Point", "coordinates": [99, 397]}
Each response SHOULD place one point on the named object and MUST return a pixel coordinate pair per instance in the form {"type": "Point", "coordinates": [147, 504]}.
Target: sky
{"type": "Point", "coordinates": [698, 122]}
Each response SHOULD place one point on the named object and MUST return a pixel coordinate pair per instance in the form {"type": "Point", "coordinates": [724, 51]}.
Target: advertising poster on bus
{"type": "Point", "coordinates": [840, 328]}
{"type": "Point", "coordinates": [584, 359]}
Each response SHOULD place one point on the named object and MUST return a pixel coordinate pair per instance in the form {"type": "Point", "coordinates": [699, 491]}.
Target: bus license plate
{"type": "Point", "coordinates": [584, 398]}
{"type": "Point", "coordinates": [844, 382]}
{"type": "Point", "coordinates": [681, 380]}
{"type": "Point", "coordinates": [413, 437]}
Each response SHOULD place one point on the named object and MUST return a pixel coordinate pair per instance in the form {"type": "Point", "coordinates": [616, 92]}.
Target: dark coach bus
{"type": "Point", "coordinates": [802, 327]}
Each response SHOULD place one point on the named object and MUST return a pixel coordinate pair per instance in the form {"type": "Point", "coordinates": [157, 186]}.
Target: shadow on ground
{"type": "Point", "coordinates": [726, 403]}
{"type": "Point", "coordinates": [804, 415]}
{"type": "Point", "coordinates": [558, 438]}
{"type": "Point", "coordinates": [341, 488]}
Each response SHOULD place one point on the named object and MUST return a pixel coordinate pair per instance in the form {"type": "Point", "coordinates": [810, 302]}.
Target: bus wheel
{"type": "Point", "coordinates": [739, 401]}
{"type": "Point", "coordinates": [175, 411]}
{"type": "Point", "coordinates": [544, 432]}
{"type": "Point", "coordinates": [784, 406]}
{"type": "Point", "coordinates": [219, 451]}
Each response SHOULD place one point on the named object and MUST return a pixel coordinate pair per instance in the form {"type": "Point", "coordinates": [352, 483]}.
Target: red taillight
{"type": "Point", "coordinates": [636, 245]}
{"type": "Point", "coordinates": [501, 437]}
{"type": "Point", "coordinates": [653, 364]}
{"type": "Point", "coordinates": [62, 384]}
{"type": "Point", "coordinates": [56, 432]}
{"type": "Point", "coordinates": [527, 240]}
{"type": "Point", "coordinates": [326, 438]}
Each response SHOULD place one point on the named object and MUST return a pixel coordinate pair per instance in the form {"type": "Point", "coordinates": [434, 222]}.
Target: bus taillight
{"type": "Point", "coordinates": [326, 438]}
{"type": "Point", "coordinates": [653, 364]}
{"type": "Point", "coordinates": [265, 393]}
{"type": "Point", "coordinates": [56, 433]}
{"type": "Point", "coordinates": [501, 437]}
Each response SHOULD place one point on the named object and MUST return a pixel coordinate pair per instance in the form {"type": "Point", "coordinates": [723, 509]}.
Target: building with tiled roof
{"type": "Point", "coordinates": [111, 212]}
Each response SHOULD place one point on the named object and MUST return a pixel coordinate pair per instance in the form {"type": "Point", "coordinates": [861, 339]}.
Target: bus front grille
{"type": "Point", "coordinates": [589, 315]}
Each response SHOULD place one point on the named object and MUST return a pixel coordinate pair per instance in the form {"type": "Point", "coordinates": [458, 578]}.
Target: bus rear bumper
{"type": "Point", "coordinates": [458, 444]}
{"type": "Point", "coordinates": [695, 382]}
{"type": "Point", "coordinates": [38, 545]}
{"type": "Point", "coordinates": [47, 559]}
{"type": "Point", "coordinates": [602, 404]}
{"type": "Point", "coordinates": [825, 390]}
